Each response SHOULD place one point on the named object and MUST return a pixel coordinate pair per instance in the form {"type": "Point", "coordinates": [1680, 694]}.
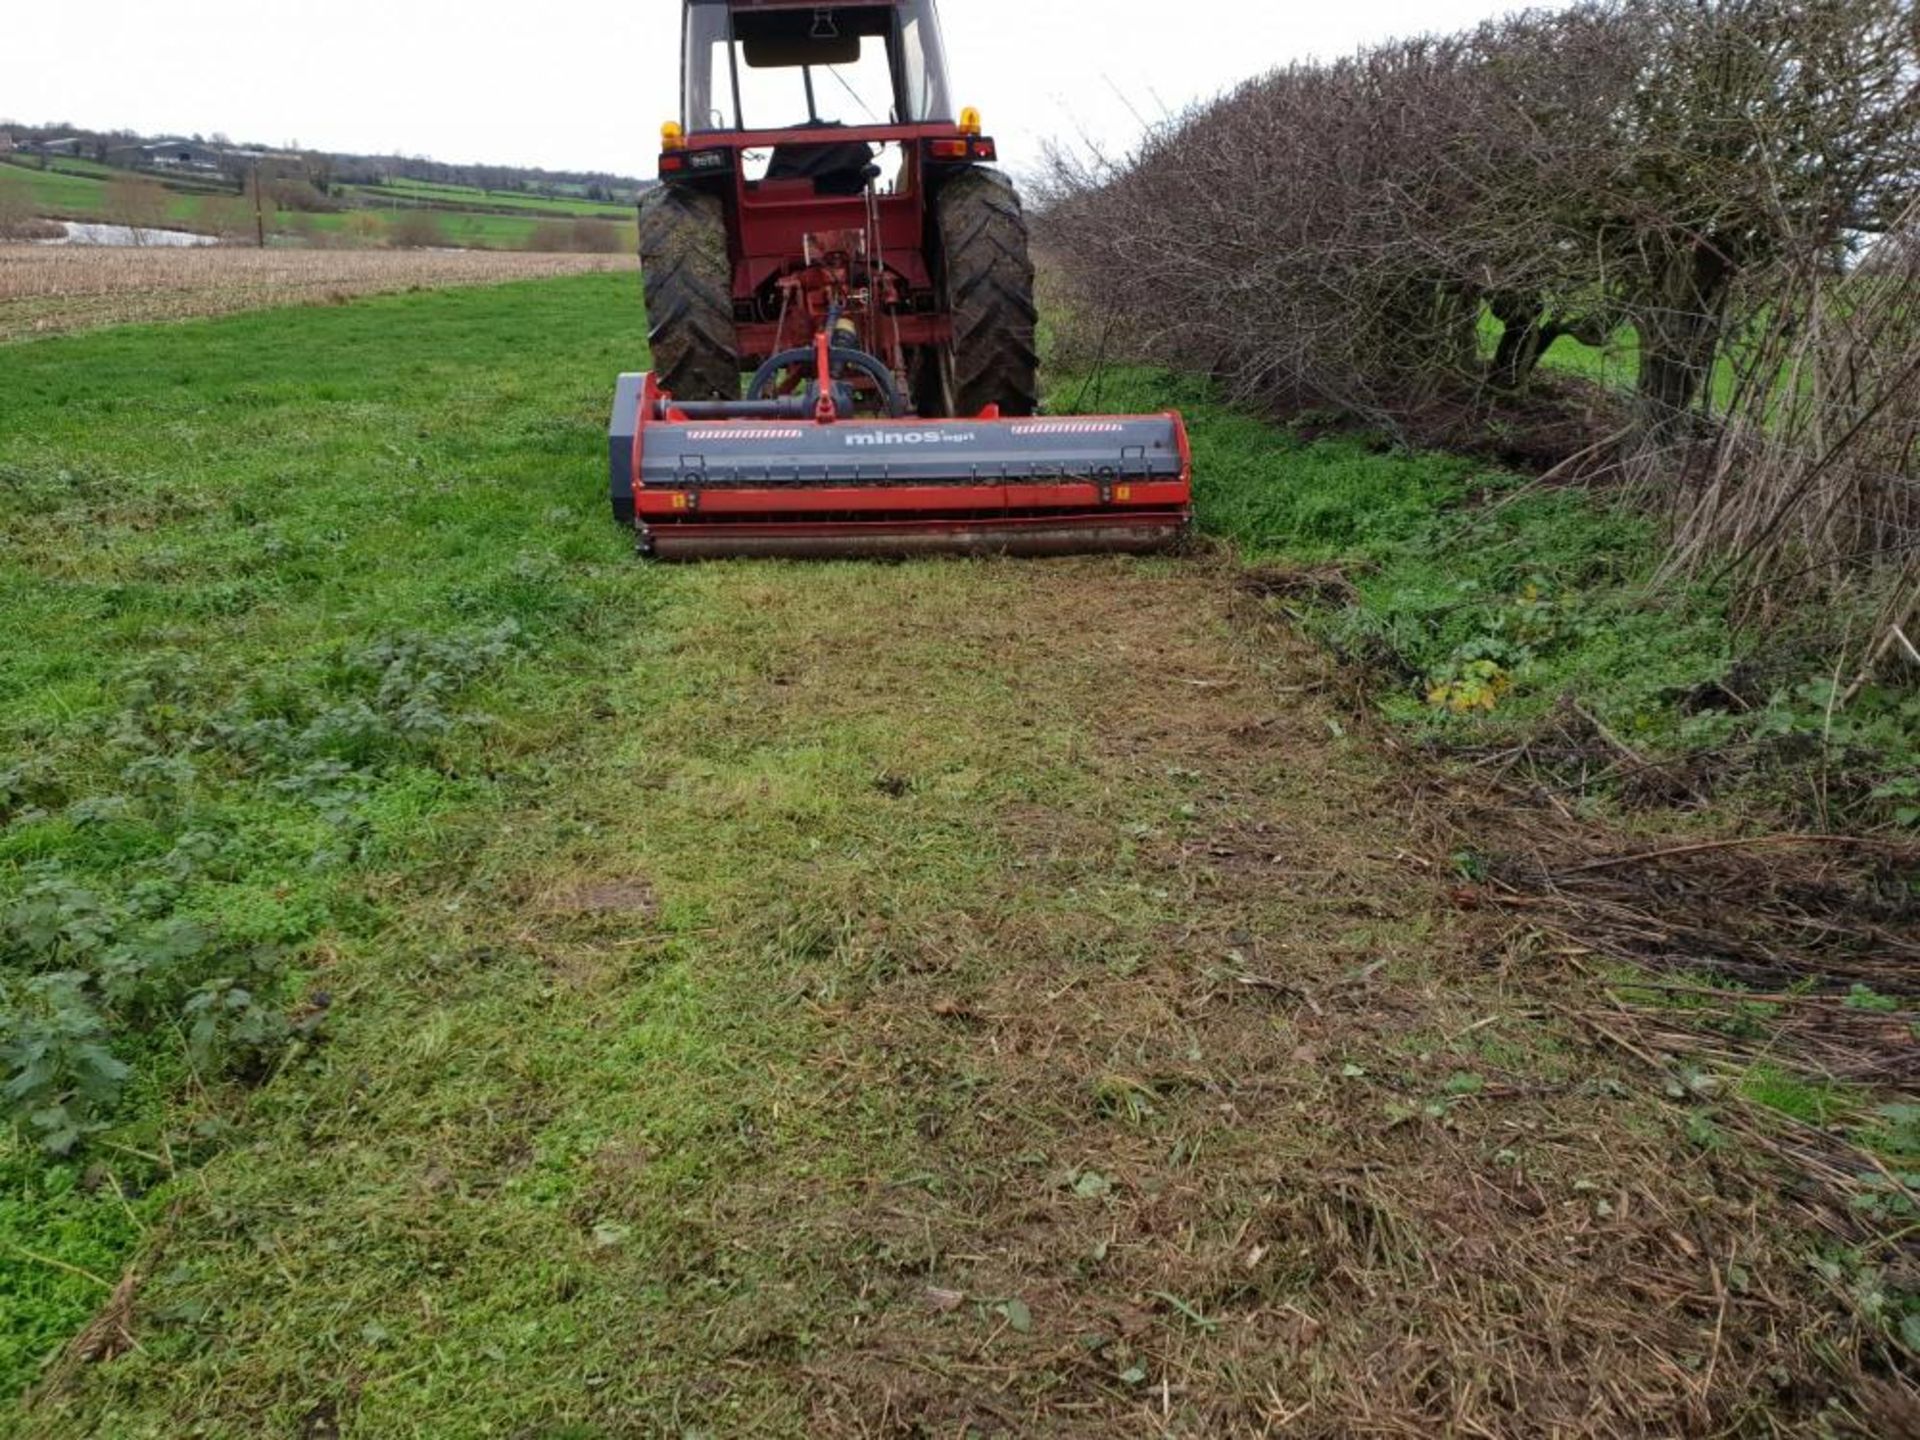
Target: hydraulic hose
{"type": "Point", "coordinates": [837, 357]}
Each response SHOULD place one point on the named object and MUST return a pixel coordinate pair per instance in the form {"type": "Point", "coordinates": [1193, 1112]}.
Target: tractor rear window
{"type": "Point", "coordinates": [824, 65]}
{"type": "Point", "coordinates": [785, 90]}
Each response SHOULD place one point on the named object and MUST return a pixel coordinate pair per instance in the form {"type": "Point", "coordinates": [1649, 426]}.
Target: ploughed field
{"type": "Point", "coordinates": [555, 995]}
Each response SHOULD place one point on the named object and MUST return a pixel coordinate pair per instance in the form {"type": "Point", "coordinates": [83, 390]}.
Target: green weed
{"type": "Point", "coordinates": [284, 592]}
{"type": "Point", "coordinates": [1480, 601]}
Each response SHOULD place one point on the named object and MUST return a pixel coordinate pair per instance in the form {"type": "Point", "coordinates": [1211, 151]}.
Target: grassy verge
{"type": "Point", "coordinates": [1486, 606]}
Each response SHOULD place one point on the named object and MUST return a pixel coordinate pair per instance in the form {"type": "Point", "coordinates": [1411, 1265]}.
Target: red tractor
{"type": "Point", "coordinates": [827, 221]}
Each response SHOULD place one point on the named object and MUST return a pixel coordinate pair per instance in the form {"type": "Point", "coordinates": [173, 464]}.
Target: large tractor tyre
{"type": "Point", "coordinates": [689, 284]}
{"type": "Point", "coordinates": [986, 282]}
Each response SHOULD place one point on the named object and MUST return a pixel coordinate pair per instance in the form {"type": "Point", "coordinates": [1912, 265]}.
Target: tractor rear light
{"type": "Point", "coordinates": [947, 149]}
{"type": "Point", "coordinates": [983, 150]}
{"type": "Point", "coordinates": [672, 164]}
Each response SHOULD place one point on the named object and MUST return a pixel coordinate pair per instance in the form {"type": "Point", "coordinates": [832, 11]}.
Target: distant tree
{"type": "Point", "coordinates": [362, 228]}
{"type": "Point", "coordinates": [140, 205]}
{"type": "Point", "coordinates": [296, 194]}
{"type": "Point", "coordinates": [597, 237]}
{"type": "Point", "coordinates": [17, 220]}
{"type": "Point", "coordinates": [417, 230]}
{"type": "Point", "coordinates": [227, 216]}
{"type": "Point", "coordinates": [308, 228]}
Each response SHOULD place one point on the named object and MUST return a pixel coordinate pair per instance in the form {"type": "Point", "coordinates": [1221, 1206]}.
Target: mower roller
{"type": "Point", "coordinates": [887, 325]}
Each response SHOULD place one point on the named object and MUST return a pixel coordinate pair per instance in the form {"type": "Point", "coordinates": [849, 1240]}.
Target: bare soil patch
{"type": "Point", "coordinates": [53, 289]}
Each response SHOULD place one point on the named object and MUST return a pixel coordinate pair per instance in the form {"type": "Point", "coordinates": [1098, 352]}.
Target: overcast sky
{"type": "Point", "coordinates": [584, 84]}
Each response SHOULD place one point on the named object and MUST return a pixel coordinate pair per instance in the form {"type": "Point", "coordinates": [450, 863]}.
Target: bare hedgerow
{"type": "Point", "coordinates": [1341, 233]}
{"type": "Point", "coordinates": [1809, 485]}
{"type": "Point", "coordinates": [416, 230]}
{"type": "Point", "coordinates": [597, 237]}
{"type": "Point", "coordinates": [18, 220]}
{"type": "Point", "coordinates": [140, 204]}
{"type": "Point", "coordinates": [1331, 234]}
{"type": "Point", "coordinates": [228, 216]}
{"type": "Point", "coordinates": [1762, 133]}
{"type": "Point", "coordinates": [1402, 233]}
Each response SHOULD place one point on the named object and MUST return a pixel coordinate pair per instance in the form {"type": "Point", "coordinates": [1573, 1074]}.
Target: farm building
{"type": "Point", "coordinates": [190, 155]}
{"type": "Point", "coordinates": [1894, 251]}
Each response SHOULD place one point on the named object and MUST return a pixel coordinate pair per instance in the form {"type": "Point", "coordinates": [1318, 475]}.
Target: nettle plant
{"type": "Point", "coordinates": [90, 986]}
{"type": "Point", "coordinates": [1509, 635]}
{"type": "Point", "coordinates": [389, 699]}
{"type": "Point", "coordinates": [82, 977]}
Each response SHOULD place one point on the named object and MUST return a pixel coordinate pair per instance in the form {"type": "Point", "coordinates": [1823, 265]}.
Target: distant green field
{"type": "Point", "coordinates": [64, 196]}
{"type": "Point", "coordinates": [431, 193]}
{"type": "Point", "coordinates": [1615, 364]}
{"type": "Point", "coordinates": [78, 197]}
{"type": "Point", "coordinates": [72, 196]}
{"type": "Point", "coordinates": [488, 232]}
{"type": "Point", "coordinates": [457, 227]}
{"type": "Point", "coordinates": [76, 165]}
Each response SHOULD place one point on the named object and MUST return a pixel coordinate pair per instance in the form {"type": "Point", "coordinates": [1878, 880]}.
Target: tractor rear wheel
{"type": "Point", "coordinates": [689, 285]}
{"type": "Point", "coordinates": [986, 281]}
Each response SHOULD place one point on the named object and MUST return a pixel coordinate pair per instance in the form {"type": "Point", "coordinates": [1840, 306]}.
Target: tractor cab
{"type": "Point", "coordinates": [824, 133]}
{"type": "Point", "coordinates": [808, 70]}
{"type": "Point", "coordinates": [836, 97]}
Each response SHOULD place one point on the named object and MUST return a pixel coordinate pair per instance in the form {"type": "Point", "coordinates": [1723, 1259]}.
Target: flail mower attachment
{"type": "Point", "coordinates": [790, 477]}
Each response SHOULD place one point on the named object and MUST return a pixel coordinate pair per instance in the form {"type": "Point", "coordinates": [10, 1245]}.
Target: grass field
{"type": "Point", "coordinates": [54, 193]}
{"type": "Point", "coordinates": [568, 997]}
{"type": "Point", "coordinates": [78, 197]}
{"type": "Point", "coordinates": [71, 165]}
{"type": "Point", "coordinates": [479, 232]}
{"type": "Point", "coordinates": [507, 200]}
